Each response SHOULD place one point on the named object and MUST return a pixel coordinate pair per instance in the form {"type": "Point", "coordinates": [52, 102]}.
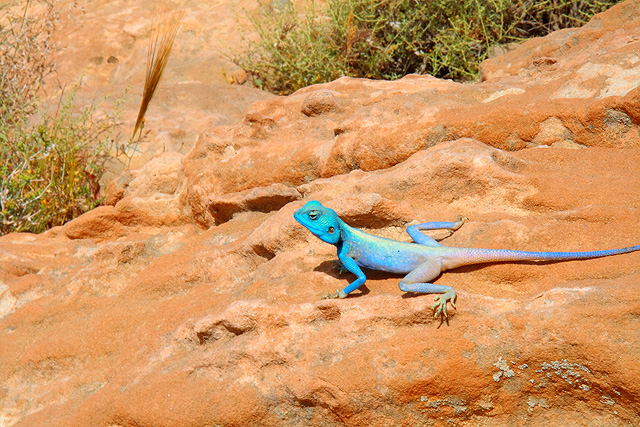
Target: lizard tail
{"type": "Point", "coordinates": [478, 256]}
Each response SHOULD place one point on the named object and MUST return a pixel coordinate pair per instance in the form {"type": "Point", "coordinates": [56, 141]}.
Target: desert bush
{"type": "Point", "coordinates": [50, 162]}
{"type": "Point", "coordinates": [50, 172]}
{"type": "Point", "coordinates": [387, 39]}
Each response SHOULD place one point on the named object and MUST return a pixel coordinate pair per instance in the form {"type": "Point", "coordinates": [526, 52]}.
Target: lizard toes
{"type": "Point", "coordinates": [439, 308]}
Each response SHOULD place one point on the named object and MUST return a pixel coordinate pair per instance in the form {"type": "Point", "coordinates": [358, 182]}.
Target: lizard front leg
{"type": "Point", "coordinates": [350, 265]}
{"type": "Point", "coordinates": [417, 281]}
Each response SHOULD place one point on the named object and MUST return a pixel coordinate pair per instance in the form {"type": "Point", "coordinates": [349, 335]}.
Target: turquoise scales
{"type": "Point", "coordinates": [423, 260]}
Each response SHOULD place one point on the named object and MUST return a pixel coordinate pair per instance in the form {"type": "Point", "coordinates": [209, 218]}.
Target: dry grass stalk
{"type": "Point", "coordinates": [165, 30]}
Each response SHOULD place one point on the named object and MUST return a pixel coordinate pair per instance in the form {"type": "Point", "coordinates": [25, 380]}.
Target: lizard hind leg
{"type": "Point", "coordinates": [416, 234]}
{"type": "Point", "coordinates": [418, 281]}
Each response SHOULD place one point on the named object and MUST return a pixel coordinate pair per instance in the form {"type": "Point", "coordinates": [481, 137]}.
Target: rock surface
{"type": "Point", "coordinates": [193, 298]}
{"type": "Point", "coordinates": [104, 44]}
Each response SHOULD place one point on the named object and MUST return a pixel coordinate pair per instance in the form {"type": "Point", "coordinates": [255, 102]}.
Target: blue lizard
{"type": "Point", "coordinates": [423, 260]}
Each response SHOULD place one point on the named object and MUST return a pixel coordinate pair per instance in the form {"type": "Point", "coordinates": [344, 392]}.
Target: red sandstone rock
{"type": "Point", "coordinates": [99, 223]}
{"type": "Point", "coordinates": [195, 298]}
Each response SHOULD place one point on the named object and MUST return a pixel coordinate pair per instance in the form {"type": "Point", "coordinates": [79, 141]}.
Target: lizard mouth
{"type": "Point", "coordinates": [302, 220]}
{"type": "Point", "coordinates": [315, 230]}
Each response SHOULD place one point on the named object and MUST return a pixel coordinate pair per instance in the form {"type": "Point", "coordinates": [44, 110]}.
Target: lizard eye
{"type": "Point", "coordinates": [313, 215]}
{"type": "Point", "coordinates": [331, 230]}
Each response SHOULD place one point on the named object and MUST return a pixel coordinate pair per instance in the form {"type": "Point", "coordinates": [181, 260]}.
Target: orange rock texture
{"type": "Point", "coordinates": [193, 297]}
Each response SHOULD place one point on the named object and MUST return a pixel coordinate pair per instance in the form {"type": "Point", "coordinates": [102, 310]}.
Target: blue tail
{"type": "Point", "coordinates": [501, 255]}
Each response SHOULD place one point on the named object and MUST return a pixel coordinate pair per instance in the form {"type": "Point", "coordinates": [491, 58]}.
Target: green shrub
{"type": "Point", "coordinates": [50, 163]}
{"type": "Point", "coordinates": [387, 39]}
{"type": "Point", "coordinates": [50, 172]}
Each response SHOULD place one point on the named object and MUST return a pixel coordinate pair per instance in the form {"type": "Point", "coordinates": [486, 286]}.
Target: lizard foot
{"type": "Point", "coordinates": [338, 294]}
{"type": "Point", "coordinates": [461, 220]}
{"type": "Point", "coordinates": [440, 306]}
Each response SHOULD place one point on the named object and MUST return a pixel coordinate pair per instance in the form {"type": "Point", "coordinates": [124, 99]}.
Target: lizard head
{"type": "Point", "coordinates": [323, 222]}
